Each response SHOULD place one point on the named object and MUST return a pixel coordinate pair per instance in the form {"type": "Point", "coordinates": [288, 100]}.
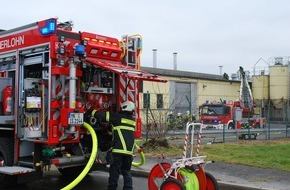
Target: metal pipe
{"type": "Point", "coordinates": [175, 61]}
{"type": "Point", "coordinates": [72, 85]}
{"type": "Point", "coordinates": [185, 141]}
{"type": "Point", "coordinates": [154, 58]}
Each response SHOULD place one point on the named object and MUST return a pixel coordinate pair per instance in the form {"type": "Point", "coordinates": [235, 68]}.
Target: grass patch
{"type": "Point", "coordinates": [162, 147]}
{"type": "Point", "coordinates": [158, 151]}
{"type": "Point", "coordinates": [274, 154]}
{"type": "Point", "coordinates": [265, 154]}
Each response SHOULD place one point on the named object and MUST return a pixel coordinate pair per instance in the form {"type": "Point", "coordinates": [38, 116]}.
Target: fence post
{"type": "Point", "coordinates": [268, 122]}
{"type": "Point", "coordinates": [224, 131]}
{"type": "Point", "coordinates": [269, 131]}
{"type": "Point", "coordinates": [146, 103]}
{"type": "Point", "coordinates": [287, 127]}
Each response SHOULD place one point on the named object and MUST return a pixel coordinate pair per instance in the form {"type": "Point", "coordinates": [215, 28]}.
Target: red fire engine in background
{"type": "Point", "coordinates": [49, 77]}
{"type": "Point", "coordinates": [233, 114]}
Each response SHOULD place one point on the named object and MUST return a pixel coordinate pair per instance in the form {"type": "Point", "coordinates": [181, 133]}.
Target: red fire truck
{"type": "Point", "coordinates": [229, 115]}
{"type": "Point", "coordinates": [49, 77]}
{"type": "Point", "coordinates": [233, 115]}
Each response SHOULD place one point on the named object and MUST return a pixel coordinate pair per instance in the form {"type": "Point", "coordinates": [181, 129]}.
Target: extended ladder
{"type": "Point", "coordinates": [246, 98]}
{"type": "Point", "coordinates": [133, 48]}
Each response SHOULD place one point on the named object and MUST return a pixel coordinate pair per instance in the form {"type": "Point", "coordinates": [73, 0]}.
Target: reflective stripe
{"type": "Point", "coordinates": [128, 121]}
{"type": "Point", "coordinates": [107, 116]}
{"type": "Point", "coordinates": [93, 112]}
{"type": "Point", "coordinates": [122, 139]}
{"type": "Point", "coordinates": [124, 150]}
{"type": "Point", "coordinates": [124, 127]}
{"type": "Point", "coordinates": [127, 127]}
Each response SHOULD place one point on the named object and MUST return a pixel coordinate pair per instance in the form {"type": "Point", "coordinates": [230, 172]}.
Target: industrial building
{"type": "Point", "coordinates": [186, 91]}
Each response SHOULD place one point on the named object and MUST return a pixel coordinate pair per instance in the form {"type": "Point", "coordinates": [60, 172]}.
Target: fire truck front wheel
{"type": "Point", "coordinates": [257, 125]}
{"type": "Point", "coordinates": [231, 126]}
{"type": "Point", "coordinates": [6, 158]}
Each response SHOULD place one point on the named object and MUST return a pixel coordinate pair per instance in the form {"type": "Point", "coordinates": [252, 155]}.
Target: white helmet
{"type": "Point", "coordinates": [128, 106]}
{"type": "Point", "coordinates": [187, 112]}
{"type": "Point", "coordinates": [178, 114]}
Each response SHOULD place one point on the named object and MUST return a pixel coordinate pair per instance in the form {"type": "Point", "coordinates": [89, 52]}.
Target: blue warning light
{"type": "Point", "coordinates": [49, 28]}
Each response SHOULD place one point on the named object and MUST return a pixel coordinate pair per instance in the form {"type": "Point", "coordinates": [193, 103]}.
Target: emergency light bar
{"type": "Point", "coordinates": [49, 28]}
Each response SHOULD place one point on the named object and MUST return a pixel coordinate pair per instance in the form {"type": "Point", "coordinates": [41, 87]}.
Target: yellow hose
{"type": "Point", "coordinates": [142, 156]}
{"type": "Point", "coordinates": [90, 162]}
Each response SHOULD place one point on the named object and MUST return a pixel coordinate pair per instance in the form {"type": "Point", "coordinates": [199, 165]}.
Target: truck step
{"type": "Point", "coordinates": [15, 170]}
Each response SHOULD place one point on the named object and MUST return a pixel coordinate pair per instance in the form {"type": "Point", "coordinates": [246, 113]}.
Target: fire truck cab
{"type": "Point", "coordinates": [229, 115]}
{"type": "Point", "coordinates": [49, 77]}
{"type": "Point", "coordinates": [215, 115]}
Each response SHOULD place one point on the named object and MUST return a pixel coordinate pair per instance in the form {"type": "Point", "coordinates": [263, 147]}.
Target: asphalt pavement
{"type": "Point", "coordinates": [233, 174]}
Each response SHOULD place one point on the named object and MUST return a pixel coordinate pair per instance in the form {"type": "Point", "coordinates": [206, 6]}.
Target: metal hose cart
{"type": "Point", "coordinates": [186, 173]}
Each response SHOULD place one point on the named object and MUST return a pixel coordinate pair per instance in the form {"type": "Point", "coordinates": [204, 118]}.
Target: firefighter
{"type": "Point", "coordinates": [170, 120]}
{"type": "Point", "coordinates": [120, 155]}
{"type": "Point", "coordinates": [193, 118]}
{"type": "Point", "coordinates": [179, 121]}
{"type": "Point", "coordinates": [187, 117]}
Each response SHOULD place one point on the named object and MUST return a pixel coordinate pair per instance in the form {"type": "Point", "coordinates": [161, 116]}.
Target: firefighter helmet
{"type": "Point", "coordinates": [128, 106]}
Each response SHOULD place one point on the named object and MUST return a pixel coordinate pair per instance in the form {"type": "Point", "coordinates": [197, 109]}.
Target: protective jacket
{"type": "Point", "coordinates": [123, 127]}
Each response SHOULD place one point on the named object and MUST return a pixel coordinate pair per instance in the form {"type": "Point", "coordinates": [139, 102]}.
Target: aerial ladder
{"type": "Point", "coordinates": [246, 97]}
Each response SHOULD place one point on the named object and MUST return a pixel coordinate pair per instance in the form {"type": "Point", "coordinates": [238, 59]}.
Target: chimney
{"type": "Point", "coordinates": [154, 58]}
{"type": "Point", "coordinates": [221, 70]}
{"type": "Point", "coordinates": [175, 61]}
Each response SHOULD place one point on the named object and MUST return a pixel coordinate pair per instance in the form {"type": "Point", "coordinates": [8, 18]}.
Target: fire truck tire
{"type": "Point", "coordinates": [231, 126]}
{"type": "Point", "coordinates": [71, 172]}
{"type": "Point", "coordinates": [172, 184]}
{"type": "Point", "coordinates": [211, 182]}
{"type": "Point", "coordinates": [7, 155]}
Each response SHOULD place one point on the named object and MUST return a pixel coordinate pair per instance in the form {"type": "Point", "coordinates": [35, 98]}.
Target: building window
{"type": "Point", "coordinates": [146, 100]}
{"type": "Point", "coordinates": [159, 100]}
{"type": "Point", "coordinates": [141, 87]}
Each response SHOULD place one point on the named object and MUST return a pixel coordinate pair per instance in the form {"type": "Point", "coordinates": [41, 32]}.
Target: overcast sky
{"type": "Point", "coordinates": [205, 34]}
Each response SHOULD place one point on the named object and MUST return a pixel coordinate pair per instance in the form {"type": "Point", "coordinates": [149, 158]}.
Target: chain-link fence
{"type": "Point", "coordinates": [269, 132]}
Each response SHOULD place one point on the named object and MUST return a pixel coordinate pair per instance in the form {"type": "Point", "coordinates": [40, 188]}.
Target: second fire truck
{"type": "Point", "coordinates": [233, 114]}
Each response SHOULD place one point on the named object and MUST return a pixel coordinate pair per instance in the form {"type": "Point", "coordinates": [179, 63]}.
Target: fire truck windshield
{"type": "Point", "coordinates": [212, 110]}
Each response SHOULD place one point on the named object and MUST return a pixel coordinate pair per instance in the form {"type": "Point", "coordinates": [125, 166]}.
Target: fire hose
{"type": "Point", "coordinates": [93, 158]}
{"type": "Point", "coordinates": [90, 162]}
{"type": "Point", "coordinates": [142, 156]}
